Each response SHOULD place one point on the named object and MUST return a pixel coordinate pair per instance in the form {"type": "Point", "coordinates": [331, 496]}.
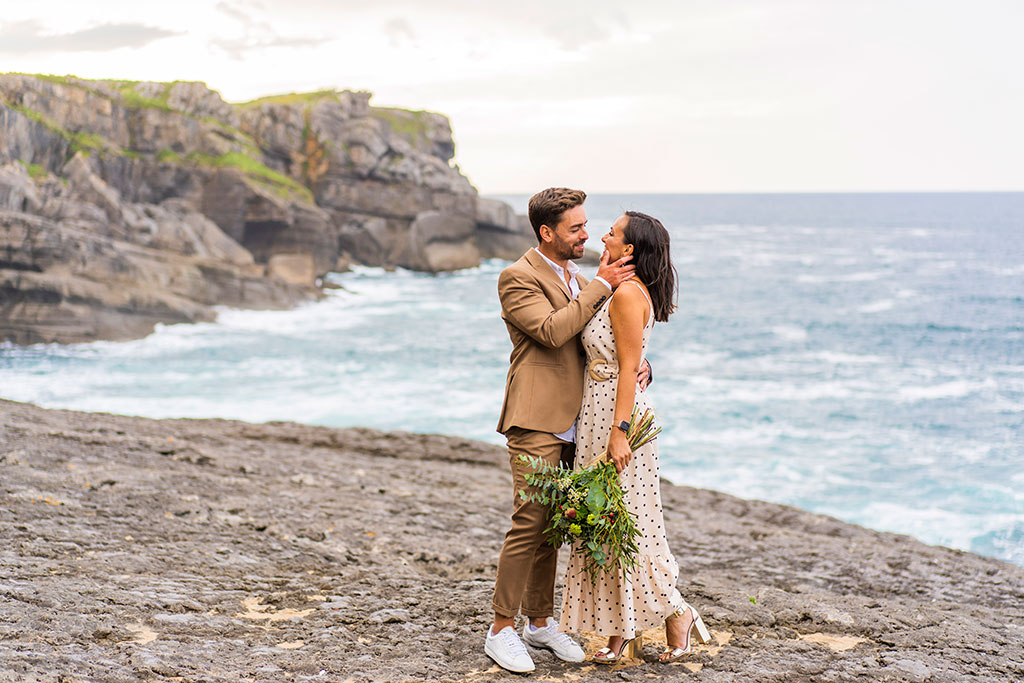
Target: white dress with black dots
{"type": "Point", "coordinates": [614, 606]}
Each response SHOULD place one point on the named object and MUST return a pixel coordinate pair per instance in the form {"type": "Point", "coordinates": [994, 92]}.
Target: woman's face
{"type": "Point", "coordinates": [614, 243]}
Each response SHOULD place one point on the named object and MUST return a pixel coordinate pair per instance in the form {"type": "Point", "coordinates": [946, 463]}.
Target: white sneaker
{"type": "Point", "coordinates": [564, 647]}
{"type": "Point", "coordinates": [508, 651]}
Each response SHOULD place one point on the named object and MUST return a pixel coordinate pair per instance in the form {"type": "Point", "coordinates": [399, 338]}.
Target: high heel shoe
{"type": "Point", "coordinates": [698, 625]}
{"type": "Point", "coordinates": [628, 648]}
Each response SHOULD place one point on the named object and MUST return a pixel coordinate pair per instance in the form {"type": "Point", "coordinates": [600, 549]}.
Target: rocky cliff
{"type": "Point", "coordinates": [212, 550]}
{"type": "Point", "coordinates": [123, 204]}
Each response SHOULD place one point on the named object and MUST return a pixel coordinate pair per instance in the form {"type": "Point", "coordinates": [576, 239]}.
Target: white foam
{"type": "Point", "coordinates": [685, 360]}
{"type": "Point", "coordinates": [952, 528]}
{"type": "Point", "coordinates": [841, 358]}
{"type": "Point", "coordinates": [864, 276]}
{"type": "Point", "coordinates": [1004, 271]}
{"type": "Point", "coordinates": [877, 306]}
{"type": "Point", "coordinates": [790, 332]}
{"type": "Point", "coordinates": [954, 389]}
{"type": "Point", "coordinates": [717, 391]}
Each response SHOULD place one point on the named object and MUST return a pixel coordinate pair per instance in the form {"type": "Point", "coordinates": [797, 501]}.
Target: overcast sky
{"type": "Point", "coordinates": [685, 96]}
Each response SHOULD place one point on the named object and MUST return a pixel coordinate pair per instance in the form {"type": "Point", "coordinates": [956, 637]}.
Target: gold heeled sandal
{"type": "Point", "coordinates": [628, 648]}
{"type": "Point", "coordinates": [697, 625]}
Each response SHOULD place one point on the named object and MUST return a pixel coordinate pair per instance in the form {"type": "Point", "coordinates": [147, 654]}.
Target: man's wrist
{"type": "Point", "coordinates": [603, 281]}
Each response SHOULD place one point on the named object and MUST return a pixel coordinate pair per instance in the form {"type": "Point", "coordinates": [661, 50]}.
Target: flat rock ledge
{"type": "Point", "coordinates": [212, 550]}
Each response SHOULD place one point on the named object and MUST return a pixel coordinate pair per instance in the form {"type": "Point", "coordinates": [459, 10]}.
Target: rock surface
{"type": "Point", "coordinates": [211, 550]}
{"type": "Point", "coordinates": [196, 202]}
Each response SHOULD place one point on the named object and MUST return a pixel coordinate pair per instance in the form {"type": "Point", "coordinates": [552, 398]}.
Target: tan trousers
{"type": "Point", "coordinates": [527, 564]}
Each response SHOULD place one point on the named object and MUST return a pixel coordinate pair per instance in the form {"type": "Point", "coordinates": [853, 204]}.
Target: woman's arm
{"type": "Point", "coordinates": [629, 314]}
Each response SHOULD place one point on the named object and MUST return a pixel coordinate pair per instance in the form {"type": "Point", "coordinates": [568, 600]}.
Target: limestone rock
{"type": "Point", "coordinates": [86, 265]}
{"type": "Point", "coordinates": [223, 550]}
{"type": "Point", "coordinates": [443, 241]}
{"type": "Point", "coordinates": [501, 233]}
{"type": "Point", "coordinates": [17, 191]}
{"type": "Point", "coordinates": [295, 268]}
{"type": "Point", "coordinates": [173, 168]}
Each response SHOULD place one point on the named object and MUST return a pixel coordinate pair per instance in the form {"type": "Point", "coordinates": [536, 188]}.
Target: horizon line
{"type": "Point", "coordinates": [767, 192]}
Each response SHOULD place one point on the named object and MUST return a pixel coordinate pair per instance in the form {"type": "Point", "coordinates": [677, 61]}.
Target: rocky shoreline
{"type": "Point", "coordinates": [124, 203]}
{"type": "Point", "coordinates": [213, 550]}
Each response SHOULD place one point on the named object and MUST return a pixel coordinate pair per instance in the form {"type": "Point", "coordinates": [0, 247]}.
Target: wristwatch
{"type": "Point", "coordinates": [624, 426]}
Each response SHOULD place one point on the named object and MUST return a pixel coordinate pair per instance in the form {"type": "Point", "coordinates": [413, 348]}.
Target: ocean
{"type": "Point", "coordinates": [858, 355]}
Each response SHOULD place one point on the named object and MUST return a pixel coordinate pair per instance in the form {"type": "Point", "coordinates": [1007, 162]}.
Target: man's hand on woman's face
{"type": "Point", "coordinates": [615, 273]}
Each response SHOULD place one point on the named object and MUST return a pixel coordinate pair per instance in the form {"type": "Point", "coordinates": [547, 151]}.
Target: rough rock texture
{"type": "Point", "coordinates": [200, 202]}
{"type": "Point", "coordinates": [211, 550]}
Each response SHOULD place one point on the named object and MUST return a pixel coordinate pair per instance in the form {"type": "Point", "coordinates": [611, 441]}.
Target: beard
{"type": "Point", "coordinates": [570, 250]}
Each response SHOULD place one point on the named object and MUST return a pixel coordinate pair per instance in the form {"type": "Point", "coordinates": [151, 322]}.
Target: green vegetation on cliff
{"type": "Point", "coordinates": [256, 170]}
{"type": "Point", "coordinates": [278, 183]}
{"type": "Point", "coordinates": [291, 98]}
{"type": "Point", "coordinates": [409, 123]}
{"type": "Point", "coordinates": [77, 142]}
{"type": "Point", "coordinates": [35, 171]}
{"type": "Point", "coordinates": [133, 99]}
{"type": "Point", "coordinates": [304, 169]}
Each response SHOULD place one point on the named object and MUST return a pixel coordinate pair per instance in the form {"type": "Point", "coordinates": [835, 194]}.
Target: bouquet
{"type": "Point", "coordinates": [587, 505]}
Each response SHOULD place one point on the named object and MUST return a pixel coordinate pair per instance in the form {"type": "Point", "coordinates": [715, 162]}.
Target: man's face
{"type": "Point", "coordinates": [570, 235]}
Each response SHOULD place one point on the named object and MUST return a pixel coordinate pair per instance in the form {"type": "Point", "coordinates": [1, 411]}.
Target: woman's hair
{"type": "Point", "coordinates": [653, 261]}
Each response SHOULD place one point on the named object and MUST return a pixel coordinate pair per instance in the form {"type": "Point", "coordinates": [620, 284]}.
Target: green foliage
{"type": "Point", "coordinates": [249, 160]}
{"type": "Point", "coordinates": [586, 506]}
{"type": "Point", "coordinates": [256, 170]}
{"type": "Point", "coordinates": [35, 171]}
{"type": "Point", "coordinates": [132, 99]}
{"type": "Point", "coordinates": [79, 142]}
{"type": "Point", "coordinates": [240, 138]}
{"type": "Point", "coordinates": [168, 156]}
{"type": "Point", "coordinates": [54, 78]}
{"type": "Point", "coordinates": [292, 98]}
{"type": "Point", "coordinates": [87, 142]}
{"type": "Point", "coordinates": [407, 123]}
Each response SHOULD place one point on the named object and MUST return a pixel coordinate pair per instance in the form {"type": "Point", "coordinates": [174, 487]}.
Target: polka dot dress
{"type": "Point", "coordinates": [615, 606]}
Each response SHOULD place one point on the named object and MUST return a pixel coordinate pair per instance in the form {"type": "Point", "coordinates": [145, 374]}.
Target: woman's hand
{"type": "Point", "coordinates": [618, 449]}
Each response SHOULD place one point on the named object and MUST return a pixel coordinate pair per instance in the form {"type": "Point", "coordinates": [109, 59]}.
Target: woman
{"type": "Point", "coordinates": [615, 340]}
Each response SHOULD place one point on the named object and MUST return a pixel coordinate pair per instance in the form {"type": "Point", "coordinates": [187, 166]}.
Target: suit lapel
{"type": "Point", "coordinates": [547, 272]}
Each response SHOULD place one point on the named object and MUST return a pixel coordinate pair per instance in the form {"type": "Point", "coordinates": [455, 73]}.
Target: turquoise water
{"type": "Point", "coordinates": [856, 355]}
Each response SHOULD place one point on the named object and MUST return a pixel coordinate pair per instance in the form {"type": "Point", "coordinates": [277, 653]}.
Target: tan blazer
{"type": "Point", "coordinates": [544, 388]}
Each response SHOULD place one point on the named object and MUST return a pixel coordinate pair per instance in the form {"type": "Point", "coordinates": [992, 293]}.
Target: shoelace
{"type": "Point", "coordinates": [512, 642]}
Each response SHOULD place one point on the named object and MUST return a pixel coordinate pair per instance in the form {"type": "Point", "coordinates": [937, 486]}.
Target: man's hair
{"type": "Point", "coordinates": [547, 206]}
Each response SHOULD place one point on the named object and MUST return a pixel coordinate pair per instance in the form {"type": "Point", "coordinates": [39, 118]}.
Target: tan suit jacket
{"type": "Point", "coordinates": [544, 388]}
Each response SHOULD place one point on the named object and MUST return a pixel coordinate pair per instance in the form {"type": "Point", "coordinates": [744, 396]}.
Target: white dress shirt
{"type": "Point", "coordinates": [569, 435]}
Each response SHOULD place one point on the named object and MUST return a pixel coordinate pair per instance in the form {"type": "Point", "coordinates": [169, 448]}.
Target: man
{"type": "Point", "coordinates": [545, 304]}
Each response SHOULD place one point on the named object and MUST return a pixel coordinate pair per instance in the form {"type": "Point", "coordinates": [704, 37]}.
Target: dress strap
{"type": "Point", "coordinates": [646, 296]}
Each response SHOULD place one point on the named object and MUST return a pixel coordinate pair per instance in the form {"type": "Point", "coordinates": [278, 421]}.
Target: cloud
{"type": "Point", "coordinates": [27, 37]}
{"type": "Point", "coordinates": [583, 32]}
{"type": "Point", "coordinates": [399, 31]}
{"type": "Point", "coordinates": [238, 49]}
{"type": "Point", "coordinates": [257, 35]}
{"type": "Point", "coordinates": [235, 13]}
